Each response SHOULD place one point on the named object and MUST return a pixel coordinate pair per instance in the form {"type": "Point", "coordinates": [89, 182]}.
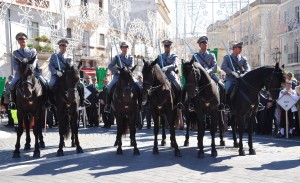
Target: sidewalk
{"type": "Point", "coordinates": [277, 160]}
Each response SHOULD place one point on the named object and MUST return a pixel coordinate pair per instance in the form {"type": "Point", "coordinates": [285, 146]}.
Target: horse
{"type": "Point", "coordinates": [245, 100]}
{"type": "Point", "coordinates": [124, 105]}
{"type": "Point", "coordinates": [206, 98]}
{"type": "Point", "coordinates": [162, 101]}
{"type": "Point", "coordinates": [67, 103]}
{"type": "Point", "coordinates": [30, 94]}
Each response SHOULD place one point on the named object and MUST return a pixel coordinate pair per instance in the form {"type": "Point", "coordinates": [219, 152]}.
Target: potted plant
{"type": "Point", "coordinates": [43, 40]}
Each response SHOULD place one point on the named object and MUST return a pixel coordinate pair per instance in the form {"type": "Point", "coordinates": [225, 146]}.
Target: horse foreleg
{"type": "Point", "coordinates": [16, 153]}
{"type": "Point", "coordinates": [72, 139]}
{"type": "Point", "coordinates": [250, 133]}
{"type": "Point", "coordinates": [133, 138]}
{"type": "Point", "coordinates": [201, 131]}
{"type": "Point", "coordinates": [74, 128]}
{"type": "Point", "coordinates": [60, 151]}
{"type": "Point", "coordinates": [156, 130]}
{"type": "Point", "coordinates": [213, 130]}
{"type": "Point", "coordinates": [221, 127]}
{"type": "Point", "coordinates": [162, 121]}
{"type": "Point", "coordinates": [171, 122]}
{"type": "Point", "coordinates": [187, 133]}
{"type": "Point", "coordinates": [27, 122]}
{"type": "Point", "coordinates": [119, 135]}
{"type": "Point", "coordinates": [36, 131]}
{"type": "Point", "coordinates": [233, 126]}
{"type": "Point", "coordinates": [241, 128]}
{"type": "Point", "coordinates": [41, 139]}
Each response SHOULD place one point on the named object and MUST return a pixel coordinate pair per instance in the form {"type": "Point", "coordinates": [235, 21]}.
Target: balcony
{"type": "Point", "coordinates": [293, 58]}
{"type": "Point", "coordinates": [90, 14]}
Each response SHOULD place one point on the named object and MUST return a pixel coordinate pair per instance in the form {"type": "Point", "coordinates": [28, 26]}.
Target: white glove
{"type": "Point", "coordinates": [164, 69]}
{"type": "Point", "coordinates": [235, 74]}
{"type": "Point", "coordinates": [24, 60]}
{"type": "Point", "coordinates": [242, 75]}
{"type": "Point", "coordinates": [59, 74]}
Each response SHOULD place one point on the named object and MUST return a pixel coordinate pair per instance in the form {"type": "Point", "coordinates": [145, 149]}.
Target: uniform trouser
{"type": "Point", "coordinates": [52, 81]}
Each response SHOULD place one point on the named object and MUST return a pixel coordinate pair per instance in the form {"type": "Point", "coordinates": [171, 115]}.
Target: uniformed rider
{"type": "Point", "coordinates": [57, 65]}
{"type": "Point", "coordinates": [24, 53]}
{"type": "Point", "coordinates": [235, 66]}
{"type": "Point", "coordinates": [127, 61]}
{"type": "Point", "coordinates": [167, 61]}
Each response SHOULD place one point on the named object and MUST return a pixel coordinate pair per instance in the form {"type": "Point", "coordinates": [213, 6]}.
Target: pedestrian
{"type": "Point", "coordinates": [108, 118]}
{"type": "Point", "coordinates": [93, 109]}
{"type": "Point", "coordinates": [146, 113]}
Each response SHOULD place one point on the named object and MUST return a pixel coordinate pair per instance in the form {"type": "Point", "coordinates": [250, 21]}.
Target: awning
{"type": "Point", "coordinates": [89, 71]}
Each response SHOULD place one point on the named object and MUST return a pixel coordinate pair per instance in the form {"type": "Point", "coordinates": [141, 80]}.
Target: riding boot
{"type": "Point", "coordinates": [227, 102]}
{"type": "Point", "coordinates": [80, 89]}
{"type": "Point", "coordinates": [222, 100]}
{"type": "Point", "coordinates": [51, 97]}
{"type": "Point", "coordinates": [179, 104]}
{"type": "Point", "coordinates": [13, 103]}
{"type": "Point", "coordinates": [107, 107]}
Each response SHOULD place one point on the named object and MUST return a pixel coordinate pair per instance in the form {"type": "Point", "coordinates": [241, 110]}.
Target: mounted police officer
{"type": "Point", "coordinates": [208, 61]}
{"type": "Point", "coordinates": [235, 66]}
{"type": "Point", "coordinates": [168, 64]}
{"type": "Point", "coordinates": [57, 65]}
{"type": "Point", "coordinates": [24, 54]}
{"type": "Point", "coordinates": [127, 61]}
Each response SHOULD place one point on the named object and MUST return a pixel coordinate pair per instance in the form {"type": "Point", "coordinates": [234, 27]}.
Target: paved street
{"type": "Point", "coordinates": [277, 160]}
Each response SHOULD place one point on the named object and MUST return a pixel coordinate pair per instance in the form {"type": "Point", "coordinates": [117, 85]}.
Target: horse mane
{"type": "Point", "coordinates": [161, 77]}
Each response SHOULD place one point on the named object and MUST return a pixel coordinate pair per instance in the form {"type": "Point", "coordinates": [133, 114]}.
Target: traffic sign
{"type": "Point", "coordinates": [286, 102]}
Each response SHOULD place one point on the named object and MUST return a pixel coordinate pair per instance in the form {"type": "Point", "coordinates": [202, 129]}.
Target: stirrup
{"type": "Point", "coordinates": [12, 105]}
{"type": "Point", "coordinates": [191, 107]}
{"type": "Point", "coordinates": [221, 107]}
{"type": "Point", "coordinates": [260, 107]}
{"type": "Point", "coordinates": [227, 108]}
{"type": "Point", "coordinates": [107, 108]}
{"type": "Point", "coordinates": [180, 106]}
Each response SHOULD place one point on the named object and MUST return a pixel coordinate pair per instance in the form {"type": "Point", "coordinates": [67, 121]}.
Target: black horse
{"type": "Point", "coordinates": [124, 105]}
{"type": "Point", "coordinates": [206, 98]}
{"type": "Point", "coordinates": [67, 102]}
{"type": "Point", "coordinates": [162, 101]}
{"type": "Point", "coordinates": [30, 100]}
{"type": "Point", "coordinates": [244, 103]}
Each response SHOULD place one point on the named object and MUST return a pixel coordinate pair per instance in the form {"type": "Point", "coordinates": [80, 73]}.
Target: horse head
{"type": "Point", "coordinates": [27, 78]}
{"type": "Point", "coordinates": [192, 77]}
{"type": "Point", "coordinates": [70, 81]}
{"type": "Point", "coordinates": [148, 76]}
{"type": "Point", "coordinates": [126, 83]}
{"type": "Point", "coordinates": [274, 81]}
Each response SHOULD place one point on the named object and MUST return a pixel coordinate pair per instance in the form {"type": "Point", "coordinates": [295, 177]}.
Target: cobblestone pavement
{"type": "Point", "coordinates": [277, 160]}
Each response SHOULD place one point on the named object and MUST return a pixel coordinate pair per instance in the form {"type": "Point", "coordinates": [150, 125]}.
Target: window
{"type": "Point", "coordinates": [67, 4]}
{"type": "Point", "coordinates": [285, 16]}
{"type": "Point", "coordinates": [33, 31]}
{"type": "Point", "coordinates": [54, 30]}
{"type": "Point", "coordinates": [83, 2]}
{"type": "Point", "coordinates": [285, 48]}
{"type": "Point", "coordinates": [86, 43]}
{"type": "Point", "coordinates": [297, 14]}
{"type": "Point", "coordinates": [69, 33]}
{"type": "Point", "coordinates": [101, 40]}
{"type": "Point", "coordinates": [100, 3]}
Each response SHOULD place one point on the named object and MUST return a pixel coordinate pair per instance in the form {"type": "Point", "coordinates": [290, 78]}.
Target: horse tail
{"type": "Point", "coordinates": [125, 126]}
{"type": "Point", "coordinates": [66, 126]}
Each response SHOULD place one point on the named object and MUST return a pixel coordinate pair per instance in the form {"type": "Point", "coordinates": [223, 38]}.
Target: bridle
{"type": "Point", "coordinates": [151, 87]}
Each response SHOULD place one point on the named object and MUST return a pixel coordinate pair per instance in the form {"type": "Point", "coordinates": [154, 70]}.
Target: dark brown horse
{"type": "Point", "coordinates": [125, 105]}
{"type": "Point", "coordinates": [162, 101]}
{"type": "Point", "coordinates": [30, 100]}
{"type": "Point", "coordinates": [204, 93]}
{"type": "Point", "coordinates": [244, 104]}
{"type": "Point", "coordinates": [67, 102]}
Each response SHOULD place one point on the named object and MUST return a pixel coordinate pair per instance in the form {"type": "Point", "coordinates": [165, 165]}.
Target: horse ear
{"type": "Point", "coordinates": [282, 66]}
{"type": "Point", "coordinates": [132, 69]}
{"type": "Point", "coordinates": [277, 65]}
{"type": "Point", "coordinates": [154, 62]}
{"type": "Point", "coordinates": [79, 65]}
{"type": "Point", "coordinates": [192, 60]}
{"type": "Point", "coordinates": [32, 59]}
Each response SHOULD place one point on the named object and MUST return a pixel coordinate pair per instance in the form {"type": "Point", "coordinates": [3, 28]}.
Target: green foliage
{"type": "Point", "coordinates": [47, 48]}
{"type": "Point", "coordinates": [43, 38]}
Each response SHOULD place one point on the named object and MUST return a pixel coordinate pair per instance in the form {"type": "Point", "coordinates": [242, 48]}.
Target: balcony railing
{"type": "Point", "coordinates": [294, 58]}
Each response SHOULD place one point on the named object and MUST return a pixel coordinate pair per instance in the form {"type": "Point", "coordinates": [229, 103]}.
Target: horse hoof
{"type": "Point", "coordinates": [177, 153]}
{"type": "Point", "coordinates": [186, 143]}
{"type": "Point", "coordinates": [222, 143]}
{"type": "Point", "coordinates": [241, 153]}
{"type": "Point", "coordinates": [235, 144]}
{"type": "Point", "coordinates": [16, 155]}
{"type": "Point", "coordinates": [136, 151]}
{"type": "Point", "coordinates": [116, 143]}
{"type": "Point", "coordinates": [119, 151]}
{"type": "Point", "coordinates": [36, 154]}
{"type": "Point", "coordinates": [163, 142]}
{"type": "Point", "coordinates": [201, 154]}
{"type": "Point", "coordinates": [59, 153]}
{"type": "Point", "coordinates": [42, 145]}
{"type": "Point", "coordinates": [155, 151]}
{"type": "Point", "coordinates": [252, 152]}
{"type": "Point", "coordinates": [27, 147]}
{"type": "Point", "coordinates": [79, 150]}
{"type": "Point", "coordinates": [72, 144]}
{"type": "Point", "coordinates": [214, 153]}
